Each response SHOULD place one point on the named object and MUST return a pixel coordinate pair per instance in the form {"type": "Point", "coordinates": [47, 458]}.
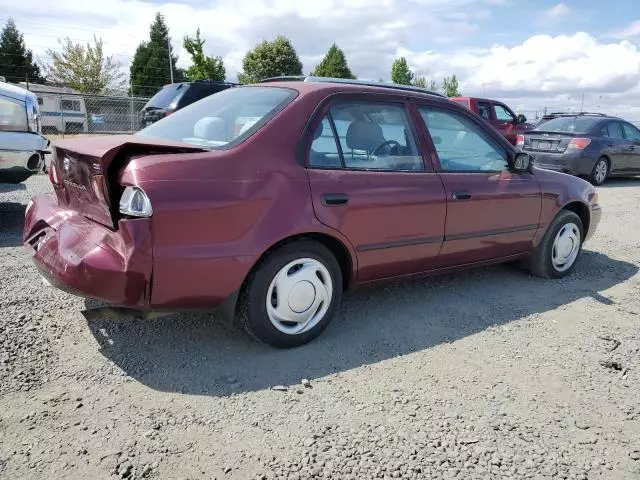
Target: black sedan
{"type": "Point", "coordinates": [595, 146]}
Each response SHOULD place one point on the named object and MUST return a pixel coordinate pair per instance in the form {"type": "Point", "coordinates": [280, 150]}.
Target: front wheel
{"type": "Point", "coordinates": [558, 251]}
{"type": "Point", "coordinates": [292, 295]}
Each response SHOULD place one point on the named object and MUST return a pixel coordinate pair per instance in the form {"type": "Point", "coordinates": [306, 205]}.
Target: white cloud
{"type": "Point", "coordinates": [632, 31]}
{"type": "Point", "coordinates": [545, 70]}
{"type": "Point", "coordinates": [557, 12]}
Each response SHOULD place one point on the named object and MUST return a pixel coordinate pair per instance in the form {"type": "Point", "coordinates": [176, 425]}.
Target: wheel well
{"type": "Point", "coordinates": [582, 211]}
{"type": "Point", "coordinates": [334, 245]}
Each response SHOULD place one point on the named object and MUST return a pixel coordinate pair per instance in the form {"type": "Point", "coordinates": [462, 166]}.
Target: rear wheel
{"type": "Point", "coordinates": [600, 171]}
{"type": "Point", "coordinates": [558, 251]}
{"type": "Point", "coordinates": [292, 295]}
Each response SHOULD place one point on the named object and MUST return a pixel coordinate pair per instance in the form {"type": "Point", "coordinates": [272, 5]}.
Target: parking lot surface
{"type": "Point", "coordinates": [490, 373]}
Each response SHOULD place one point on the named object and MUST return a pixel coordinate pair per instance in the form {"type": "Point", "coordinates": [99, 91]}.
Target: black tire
{"type": "Point", "coordinates": [15, 177]}
{"type": "Point", "coordinates": [594, 177]}
{"type": "Point", "coordinates": [541, 263]}
{"type": "Point", "coordinates": [251, 312]}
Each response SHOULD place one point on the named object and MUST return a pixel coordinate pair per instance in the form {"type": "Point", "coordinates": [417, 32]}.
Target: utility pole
{"type": "Point", "coordinates": [170, 63]}
{"type": "Point", "coordinates": [582, 103]}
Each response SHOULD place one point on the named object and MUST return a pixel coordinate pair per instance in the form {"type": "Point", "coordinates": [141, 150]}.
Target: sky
{"type": "Point", "coordinates": [529, 54]}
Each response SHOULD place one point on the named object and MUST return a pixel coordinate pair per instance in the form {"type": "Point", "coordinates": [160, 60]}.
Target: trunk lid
{"type": "Point", "coordinates": [552, 142]}
{"type": "Point", "coordinates": [84, 171]}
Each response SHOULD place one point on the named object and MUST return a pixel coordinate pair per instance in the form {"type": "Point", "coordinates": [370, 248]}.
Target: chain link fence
{"type": "Point", "coordinates": [65, 112]}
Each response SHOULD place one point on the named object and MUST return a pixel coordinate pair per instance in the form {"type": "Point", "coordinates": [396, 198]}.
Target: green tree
{"type": "Point", "coordinates": [422, 82]}
{"type": "Point", "coordinates": [84, 68]}
{"type": "Point", "coordinates": [153, 61]}
{"type": "Point", "coordinates": [334, 64]}
{"type": "Point", "coordinates": [450, 86]}
{"type": "Point", "coordinates": [16, 61]}
{"type": "Point", "coordinates": [203, 67]}
{"type": "Point", "coordinates": [270, 59]}
{"type": "Point", "coordinates": [400, 72]}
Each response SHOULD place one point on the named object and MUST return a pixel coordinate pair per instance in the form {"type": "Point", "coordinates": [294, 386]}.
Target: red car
{"type": "Point", "coordinates": [272, 199]}
{"type": "Point", "coordinates": [500, 116]}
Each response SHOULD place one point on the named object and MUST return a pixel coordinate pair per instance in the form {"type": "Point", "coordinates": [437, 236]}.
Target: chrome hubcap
{"type": "Point", "coordinates": [299, 296]}
{"type": "Point", "coordinates": [566, 247]}
{"type": "Point", "coordinates": [601, 171]}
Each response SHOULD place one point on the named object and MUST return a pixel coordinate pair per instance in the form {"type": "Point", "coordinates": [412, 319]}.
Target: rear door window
{"type": "Point", "coordinates": [370, 136]}
{"type": "Point", "coordinates": [615, 130]}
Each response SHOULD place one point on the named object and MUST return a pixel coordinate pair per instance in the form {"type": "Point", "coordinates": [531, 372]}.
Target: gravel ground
{"type": "Point", "coordinates": [486, 374]}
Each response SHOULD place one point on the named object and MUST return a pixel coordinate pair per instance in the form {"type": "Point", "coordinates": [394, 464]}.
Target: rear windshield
{"type": "Point", "coordinates": [167, 95]}
{"type": "Point", "coordinates": [570, 124]}
{"type": "Point", "coordinates": [222, 120]}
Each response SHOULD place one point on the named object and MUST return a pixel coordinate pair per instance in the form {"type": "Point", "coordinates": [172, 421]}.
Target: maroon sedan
{"type": "Point", "coordinates": [272, 199]}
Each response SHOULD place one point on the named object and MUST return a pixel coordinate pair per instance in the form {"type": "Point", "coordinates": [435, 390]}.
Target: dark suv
{"type": "Point", "coordinates": [176, 96]}
{"type": "Point", "coordinates": [592, 145]}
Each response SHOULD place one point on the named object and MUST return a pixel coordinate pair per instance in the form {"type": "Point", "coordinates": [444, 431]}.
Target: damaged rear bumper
{"type": "Point", "coordinates": [88, 259]}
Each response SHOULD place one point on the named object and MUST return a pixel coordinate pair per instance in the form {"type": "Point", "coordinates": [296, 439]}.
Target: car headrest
{"type": "Point", "coordinates": [210, 128]}
{"type": "Point", "coordinates": [364, 136]}
{"type": "Point", "coordinates": [318, 131]}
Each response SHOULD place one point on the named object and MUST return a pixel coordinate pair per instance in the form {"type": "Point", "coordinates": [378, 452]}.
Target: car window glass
{"type": "Point", "coordinates": [376, 136]}
{"type": "Point", "coordinates": [631, 132]}
{"type": "Point", "coordinates": [228, 117]}
{"type": "Point", "coordinates": [503, 115]}
{"type": "Point", "coordinates": [461, 144]}
{"type": "Point", "coordinates": [484, 110]}
{"type": "Point", "coordinates": [615, 130]}
{"type": "Point", "coordinates": [13, 115]}
{"type": "Point", "coordinates": [604, 131]}
{"type": "Point", "coordinates": [324, 148]}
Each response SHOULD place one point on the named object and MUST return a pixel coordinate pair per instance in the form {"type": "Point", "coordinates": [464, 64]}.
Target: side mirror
{"type": "Point", "coordinates": [523, 162]}
{"type": "Point", "coordinates": [521, 119]}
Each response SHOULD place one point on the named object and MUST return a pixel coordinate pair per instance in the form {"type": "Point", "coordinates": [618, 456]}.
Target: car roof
{"type": "Point", "coordinates": [329, 86]}
{"type": "Point", "coordinates": [15, 92]}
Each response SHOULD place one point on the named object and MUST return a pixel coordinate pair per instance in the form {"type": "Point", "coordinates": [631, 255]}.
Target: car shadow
{"type": "Point", "coordinates": [620, 182]}
{"type": "Point", "coordinates": [11, 187]}
{"type": "Point", "coordinates": [11, 223]}
{"type": "Point", "coordinates": [194, 353]}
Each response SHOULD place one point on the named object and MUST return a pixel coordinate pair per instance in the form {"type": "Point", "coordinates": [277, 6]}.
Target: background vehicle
{"type": "Point", "coordinates": [550, 116]}
{"type": "Point", "coordinates": [498, 115]}
{"type": "Point", "coordinates": [587, 144]}
{"type": "Point", "coordinates": [62, 109]}
{"type": "Point", "coordinates": [22, 147]}
{"type": "Point", "coordinates": [176, 96]}
{"type": "Point", "coordinates": [253, 199]}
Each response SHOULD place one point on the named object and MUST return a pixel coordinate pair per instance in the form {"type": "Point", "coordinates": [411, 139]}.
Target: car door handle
{"type": "Point", "coordinates": [460, 195]}
{"type": "Point", "coordinates": [335, 199]}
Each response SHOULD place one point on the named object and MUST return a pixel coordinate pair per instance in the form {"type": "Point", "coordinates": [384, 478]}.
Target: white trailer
{"type": "Point", "coordinates": [62, 110]}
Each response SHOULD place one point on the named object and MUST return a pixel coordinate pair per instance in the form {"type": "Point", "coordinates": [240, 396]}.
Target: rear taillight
{"type": "Point", "coordinates": [54, 174]}
{"type": "Point", "coordinates": [520, 141]}
{"type": "Point", "coordinates": [135, 203]}
{"type": "Point", "coordinates": [579, 143]}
